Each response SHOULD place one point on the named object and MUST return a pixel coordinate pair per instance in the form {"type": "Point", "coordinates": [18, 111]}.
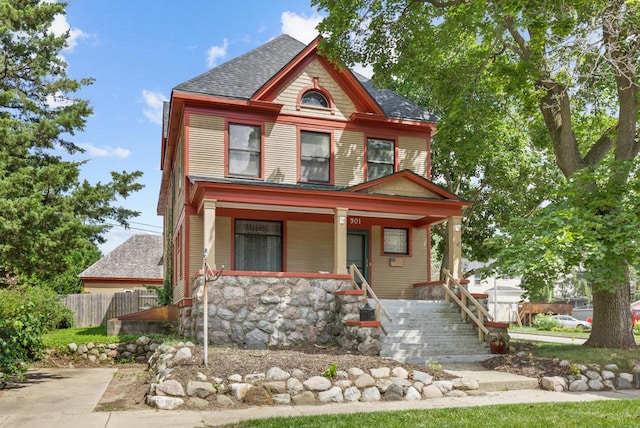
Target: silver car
{"type": "Point", "coordinates": [571, 322]}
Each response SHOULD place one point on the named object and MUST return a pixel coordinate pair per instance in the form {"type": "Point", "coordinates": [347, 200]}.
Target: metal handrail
{"type": "Point", "coordinates": [466, 311]}
{"type": "Point", "coordinates": [353, 269]}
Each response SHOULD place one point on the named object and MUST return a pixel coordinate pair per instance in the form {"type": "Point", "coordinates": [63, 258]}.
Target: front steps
{"type": "Point", "coordinates": [423, 331]}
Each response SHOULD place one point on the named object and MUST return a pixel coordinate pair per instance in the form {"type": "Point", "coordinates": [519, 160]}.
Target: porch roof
{"type": "Point", "coordinates": [241, 194]}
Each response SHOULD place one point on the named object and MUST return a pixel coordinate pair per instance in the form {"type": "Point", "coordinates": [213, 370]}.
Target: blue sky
{"type": "Point", "coordinates": [137, 51]}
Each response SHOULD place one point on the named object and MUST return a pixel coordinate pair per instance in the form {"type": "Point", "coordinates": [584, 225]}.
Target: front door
{"type": "Point", "coordinates": [358, 251]}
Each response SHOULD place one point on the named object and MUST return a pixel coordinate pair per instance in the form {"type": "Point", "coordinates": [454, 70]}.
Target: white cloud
{"type": "Point", "coordinates": [106, 152]}
{"type": "Point", "coordinates": [154, 102]}
{"type": "Point", "coordinates": [58, 100]}
{"type": "Point", "coordinates": [299, 26]}
{"type": "Point", "coordinates": [304, 29]}
{"type": "Point", "coordinates": [59, 26]}
{"type": "Point", "coordinates": [216, 52]}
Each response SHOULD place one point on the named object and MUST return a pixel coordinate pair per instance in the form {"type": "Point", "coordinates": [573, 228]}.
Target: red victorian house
{"type": "Point", "coordinates": [288, 171]}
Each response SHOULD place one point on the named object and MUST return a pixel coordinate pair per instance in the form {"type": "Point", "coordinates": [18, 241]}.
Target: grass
{"type": "Point", "coordinates": [586, 414]}
{"type": "Point", "coordinates": [83, 335]}
{"type": "Point", "coordinates": [564, 332]}
{"type": "Point", "coordinates": [624, 358]}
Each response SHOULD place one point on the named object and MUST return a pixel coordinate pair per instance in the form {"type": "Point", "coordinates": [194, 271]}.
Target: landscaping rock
{"type": "Point", "coordinates": [317, 383]}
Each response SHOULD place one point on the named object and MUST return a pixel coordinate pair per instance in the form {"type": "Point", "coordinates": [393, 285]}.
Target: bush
{"type": "Point", "coordinates": [46, 305]}
{"type": "Point", "coordinates": [20, 340]}
{"type": "Point", "coordinates": [545, 322]}
{"type": "Point", "coordinates": [25, 314]}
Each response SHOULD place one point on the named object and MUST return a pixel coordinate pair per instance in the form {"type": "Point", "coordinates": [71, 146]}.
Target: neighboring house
{"type": "Point", "coordinates": [134, 264]}
{"type": "Point", "coordinates": [281, 166]}
{"type": "Point", "coordinates": [503, 294]}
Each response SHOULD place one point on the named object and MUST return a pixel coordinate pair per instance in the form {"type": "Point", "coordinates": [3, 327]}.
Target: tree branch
{"type": "Point", "coordinates": [601, 147]}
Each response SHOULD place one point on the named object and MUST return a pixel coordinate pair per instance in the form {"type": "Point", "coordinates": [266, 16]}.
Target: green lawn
{"type": "Point", "coordinates": [620, 413]}
{"type": "Point", "coordinates": [84, 335]}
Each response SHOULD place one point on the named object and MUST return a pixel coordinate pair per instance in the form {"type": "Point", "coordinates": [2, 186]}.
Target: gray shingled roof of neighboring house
{"type": "Point", "coordinates": [138, 257]}
{"type": "Point", "coordinates": [242, 77]}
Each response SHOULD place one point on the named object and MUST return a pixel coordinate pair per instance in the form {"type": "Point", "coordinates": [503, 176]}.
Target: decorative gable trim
{"type": "Point", "coordinates": [406, 174]}
{"type": "Point", "coordinates": [363, 101]}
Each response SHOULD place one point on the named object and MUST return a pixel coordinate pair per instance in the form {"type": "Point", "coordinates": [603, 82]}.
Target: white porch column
{"type": "Point", "coordinates": [209, 238]}
{"type": "Point", "coordinates": [340, 241]}
{"type": "Point", "coordinates": [454, 227]}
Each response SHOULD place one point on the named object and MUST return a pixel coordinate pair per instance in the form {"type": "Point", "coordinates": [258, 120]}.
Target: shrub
{"type": "Point", "coordinates": [25, 314]}
{"type": "Point", "coordinates": [20, 340]}
{"type": "Point", "coordinates": [46, 305]}
{"type": "Point", "coordinates": [545, 322]}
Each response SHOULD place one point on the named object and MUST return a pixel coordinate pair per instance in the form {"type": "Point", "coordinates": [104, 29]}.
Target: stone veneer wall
{"type": "Point", "coordinates": [261, 311]}
{"type": "Point", "coordinates": [354, 336]}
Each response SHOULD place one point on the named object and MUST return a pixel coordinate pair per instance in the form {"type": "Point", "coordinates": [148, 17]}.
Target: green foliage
{"type": "Point", "coordinates": [20, 339]}
{"type": "Point", "coordinates": [554, 84]}
{"type": "Point", "coordinates": [433, 365]}
{"type": "Point", "coordinates": [545, 322]}
{"type": "Point", "coordinates": [592, 223]}
{"type": "Point", "coordinates": [77, 260]}
{"type": "Point", "coordinates": [44, 302]}
{"type": "Point", "coordinates": [164, 293]}
{"type": "Point", "coordinates": [83, 335]}
{"type": "Point", "coordinates": [331, 371]}
{"type": "Point", "coordinates": [46, 211]}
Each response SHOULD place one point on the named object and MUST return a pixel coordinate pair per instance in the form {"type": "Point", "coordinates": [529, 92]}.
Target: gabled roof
{"type": "Point", "coordinates": [138, 257]}
{"type": "Point", "coordinates": [428, 185]}
{"type": "Point", "coordinates": [244, 76]}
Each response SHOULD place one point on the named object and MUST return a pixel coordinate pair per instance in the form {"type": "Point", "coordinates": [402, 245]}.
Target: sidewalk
{"type": "Point", "coordinates": [66, 398]}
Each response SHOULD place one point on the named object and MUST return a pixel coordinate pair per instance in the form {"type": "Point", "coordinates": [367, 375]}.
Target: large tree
{"type": "Point", "coordinates": [46, 212]}
{"type": "Point", "coordinates": [572, 68]}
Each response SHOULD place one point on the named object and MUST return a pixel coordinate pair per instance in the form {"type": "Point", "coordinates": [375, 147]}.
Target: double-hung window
{"type": "Point", "coordinates": [258, 245]}
{"type": "Point", "coordinates": [380, 158]}
{"type": "Point", "coordinates": [244, 149]}
{"type": "Point", "coordinates": [315, 156]}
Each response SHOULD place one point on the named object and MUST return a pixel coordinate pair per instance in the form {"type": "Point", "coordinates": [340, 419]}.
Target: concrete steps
{"type": "Point", "coordinates": [421, 331]}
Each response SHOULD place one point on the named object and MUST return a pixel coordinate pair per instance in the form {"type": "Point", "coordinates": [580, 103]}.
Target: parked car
{"type": "Point", "coordinates": [571, 322]}
{"type": "Point", "coordinates": [635, 317]}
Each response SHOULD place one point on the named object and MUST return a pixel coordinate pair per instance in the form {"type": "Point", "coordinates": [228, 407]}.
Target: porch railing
{"type": "Point", "coordinates": [464, 301]}
{"type": "Point", "coordinates": [368, 291]}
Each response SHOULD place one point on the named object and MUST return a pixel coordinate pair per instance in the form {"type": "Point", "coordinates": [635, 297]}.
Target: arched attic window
{"type": "Point", "coordinates": [315, 97]}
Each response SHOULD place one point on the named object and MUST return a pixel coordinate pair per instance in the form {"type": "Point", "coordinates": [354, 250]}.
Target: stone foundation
{"type": "Point", "coordinates": [261, 311]}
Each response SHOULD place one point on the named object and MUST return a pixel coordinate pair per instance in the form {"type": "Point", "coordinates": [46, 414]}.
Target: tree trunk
{"type": "Point", "coordinates": [612, 317]}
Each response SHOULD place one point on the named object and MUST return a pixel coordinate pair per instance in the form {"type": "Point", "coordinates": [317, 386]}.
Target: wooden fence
{"type": "Point", "coordinates": [96, 309]}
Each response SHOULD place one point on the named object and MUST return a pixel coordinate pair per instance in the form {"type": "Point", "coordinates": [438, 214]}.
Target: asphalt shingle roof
{"type": "Point", "coordinates": [242, 77]}
{"type": "Point", "coordinates": [138, 257]}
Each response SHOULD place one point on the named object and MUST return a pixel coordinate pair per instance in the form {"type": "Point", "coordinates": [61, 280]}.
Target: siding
{"type": "Point", "coordinates": [196, 243]}
{"type": "Point", "coordinates": [309, 247]}
{"type": "Point", "coordinates": [412, 154]}
{"type": "Point", "coordinates": [397, 282]}
{"type": "Point", "coordinates": [280, 153]}
{"type": "Point", "coordinates": [289, 96]}
{"type": "Point", "coordinates": [402, 188]}
{"type": "Point", "coordinates": [349, 155]}
{"type": "Point", "coordinates": [206, 145]}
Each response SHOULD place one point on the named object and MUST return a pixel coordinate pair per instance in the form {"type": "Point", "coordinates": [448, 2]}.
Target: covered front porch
{"type": "Point", "coordinates": [382, 226]}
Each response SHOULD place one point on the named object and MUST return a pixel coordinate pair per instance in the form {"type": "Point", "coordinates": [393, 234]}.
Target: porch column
{"type": "Point", "coordinates": [340, 241]}
{"type": "Point", "coordinates": [454, 226]}
{"type": "Point", "coordinates": [209, 238]}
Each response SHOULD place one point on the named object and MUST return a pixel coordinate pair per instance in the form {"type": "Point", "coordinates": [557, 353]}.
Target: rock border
{"type": "Point", "coordinates": [278, 387]}
{"type": "Point", "coordinates": [592, 377]}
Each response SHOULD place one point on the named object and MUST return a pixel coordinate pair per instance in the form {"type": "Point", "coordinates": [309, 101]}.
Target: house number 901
{"type": "Point", "coordinates": [355, 220]}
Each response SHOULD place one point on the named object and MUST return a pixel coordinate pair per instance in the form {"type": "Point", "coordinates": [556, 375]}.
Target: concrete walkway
{"type": "Point", "coordinates": [549, 339]}
{"type": "Point", "coordinates": [66, 398]}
